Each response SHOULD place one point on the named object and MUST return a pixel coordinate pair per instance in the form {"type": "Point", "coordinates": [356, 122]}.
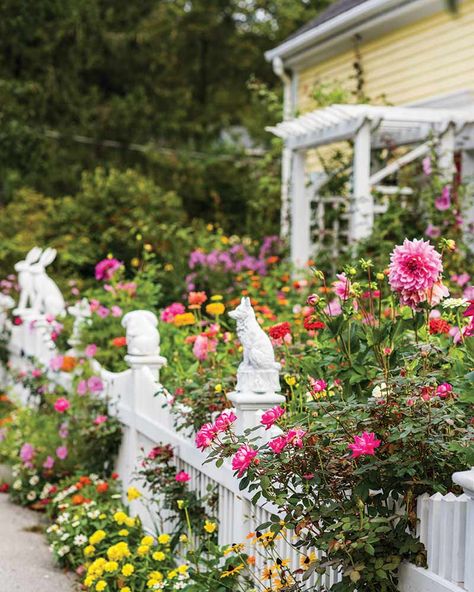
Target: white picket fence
{"type": "Point", "coordinates": [446, 523]}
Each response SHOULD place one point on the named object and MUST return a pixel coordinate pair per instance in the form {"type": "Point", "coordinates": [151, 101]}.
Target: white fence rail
{"type": "Point", "coordinates": [446, 524]}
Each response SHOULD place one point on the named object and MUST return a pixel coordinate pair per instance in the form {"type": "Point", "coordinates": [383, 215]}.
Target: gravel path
{"type": "Point", "coordinates": [26, 564]}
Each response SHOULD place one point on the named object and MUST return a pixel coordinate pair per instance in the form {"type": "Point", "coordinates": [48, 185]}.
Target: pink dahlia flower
{"type": "Point", "coordinates": [342, 287]}
{"type": "Point", "coordinates": [61, 405]}
{"type": "Point", "coordinates": [271, 416]}
{"type": "Point", "coordinates": [243, 458]}
{"type": "Point", "coordinates": [364, 444]}
{"type": "Point", "coordinates": [415, 268]}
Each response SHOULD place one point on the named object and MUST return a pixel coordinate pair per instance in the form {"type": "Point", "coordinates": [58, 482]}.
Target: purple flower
{"type": "Point", "coordinates": [105, 269]}
{"type": "Point", "coordinates": [426, 163]}
{"type": "Point", "coordinates": [443, 202]}
{"type": "Point", "coordinates": [82, 387]}
{"type": "Point", "coordinates": [61, 452]}
{"type": "Point", "coordinates": [48, 463]}
{"type": "Point", "coordinates": [27, 453]}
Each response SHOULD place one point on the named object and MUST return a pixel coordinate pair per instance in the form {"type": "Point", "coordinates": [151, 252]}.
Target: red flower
{"type": "Point", "coordinates": [469, 312]}
{"type": "Point", "coordinates": [102, 487]}
{"type": "Point", "coordinates": [115, 476]}
{"type": "Point", "coordinates": [119, 341]}
{"type": "Point", "coordinates": [312, 324]}
{"type": "Point", "coordinates": [439, 326]}
{"type": "Point", "coordinates": [4, 487]}
{"type": "Point", "coordinates": [280, 330]}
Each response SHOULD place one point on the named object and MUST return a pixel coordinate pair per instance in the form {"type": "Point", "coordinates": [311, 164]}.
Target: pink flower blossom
{"type": "Point", "coordinates": [224, 421]}
{"type": "Point", "coordinates": [295, 437]}
{"type": "Point", "coordinates": [61, 405]}
{"type": "Point", "coordinates": [95, 384]}
{"type": "Point", "coordinates": [432, 231]}
{"type": "Point", "coordinates": [317, 385]}
{"type": "Point", "coordinates": [48, 463]}
{"type": "Point", "coordinates": [426, 164]}
{"type": "Point", "coordinates": [105, 269]}
{"type": "Point", "coordinates": [36, 373]}
{"type": "Point", "coordinates": [27, 452]}
{"type": "Point", "coordinates": [90, 350]}
{"type": "Point", "coordinates": [443, 202]}
{"type": "Point", "coordinates": [94, 304]}
{"type": "Point", "coordinates": [364, 444]}
{"type": "Point", "coordinates": [342, 287]}
{"type": "Point", "coordinates": [468, 293]}
{"type": "Point", "coordinates": [205, 436]}
{"type": "Point", "coordinates": [243, 458]}
{"type": "Point", "coordinates": [168, 314]}
{"type": "Point", "coordinates": [103, 311]}
{"type": "Point", "coordinates": [100, 419]}
{"type": "Point", "coordinates": [116, 311]}
{"type": "Point", "coordinates": [63, 431]}
{"type": "Point", "coordinates": [271, 416]}
{"type": "Point", "coordinates": [333, 308]}
{"type": "Point", "coordinates": [461, 279]}
{"type": "Point", "coordinates": [415, 268]}
{"type": "Point", "coordinates": [444, 390]}
{"type": "Point", "coordinates": [437, 293]}
{"type": "Point", "coordinates": [62, 452]}
{"type": "Point", "coordinates": [82, 387]}
{"type": "Point", "coordinates": [278, 444]}
{"type": "Point", "coordinates": [203, 346]}
{"type": "Point", "coordinates": [182, 477]}
{"type": "Point", "coordinates": [56, 363]}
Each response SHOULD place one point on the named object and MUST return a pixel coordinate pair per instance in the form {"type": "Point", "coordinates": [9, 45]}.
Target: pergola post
{"type": "Point", "coordinates": [467, 168]}
{"type": "Point", "coordinates": [361, 219]}
{"type": "Point", "coordinates": [445, 152]}
{"type": "Point", "coordinates": [300, 211]}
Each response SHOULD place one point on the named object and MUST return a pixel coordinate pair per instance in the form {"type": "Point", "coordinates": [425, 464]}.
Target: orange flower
{"type": "Point", "coordinates": [272, 259]}
{"type": "Point", "coordinates": [119, 341]}
{"type": "Point", "coordinates": [102, 487]}
{"type": "Point", "coordinates": [85, 480]}
{"type": "Point", "coordinates": [197, 298]}
{"type": "Point", "coordinates": [69, 363]}
{"type": "Point", "coordinates": [78, 499]}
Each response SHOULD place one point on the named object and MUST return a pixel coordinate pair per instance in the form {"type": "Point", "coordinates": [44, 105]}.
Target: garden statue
{"type": "Point", "coordinates": [143, 338]}
{"type": "Point", "coordinates": [258, 371]}
{"type": "Point", "coordinates": [47, 298]}
{"type": "Point", "coordinates": [81, 311]}
{"type": "Point", "coordinates": [25, 279]}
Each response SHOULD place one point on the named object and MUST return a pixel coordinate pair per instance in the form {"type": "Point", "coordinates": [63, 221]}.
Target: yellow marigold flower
{"type": "Point", "coordinates": [172, 574]}
{"type": "Point", "coordinates": [215, 308]}
{"type": "Point", "coordinates": [164, 539]}
{"type": "Point", "coordinates": [128, 569]}
{"type": "Point", "coordinates": [133, 494]}
{"type": "Point", "coordinates": [209, 227]}
{"type": "Point", "coordinates": [102, 516]}
{"type": "Point", "coordinates": [88, 581]}
{"type": "Point", "coordinates": [89, 550]}
{"type": "Point", "coordinates": [143, 550]}
{"type": "Point", "coordinates": [169, 267]}
{"type": "Point", "coordinates": [130, 522]}
{"type": "Point", "coordinates": [97, 537]}
{"type": "Point", "coordinates": [183, 538]}
{"type": "Point", "coordinates": [135, 262]}
{"type": "Point", "coordinates": [210, 527]}
{"type": "Point", "coordinates": [120, 517]}
{"type": "Point", "coordinates": [125, 589]}
{"type": "Point", "coordinates": [147, 540]}
{"type": "Point", "coordinates": [181, 320]}
{"type": "Point", "coordinates": [111, 566]}
{"type": "Point", "coordinates": [148, 247]}
{"type": "Point", "coordinates": [217, 298]}
{"type": "Point", "coordinates": [118, 551]}
{"type": "Point", "coordinates": [123, 532]}
{"type": "Point", "coordinates": [101, 585]}
{"type": "Point", "coordinates": [156, 575]}
{"type": "Point", "coordinates": [159, 556]}
{"type": "Point", "coordinates": [182, 569]}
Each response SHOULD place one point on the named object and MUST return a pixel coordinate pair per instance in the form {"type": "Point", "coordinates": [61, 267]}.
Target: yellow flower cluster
{"type": "Point", "coordinates": [118, 552]}
{"type": "Point", "coordinates": [186, 318]}
{"type": "Point", "coordinates": [133, 494]}
{"type": "Point", "coordinates": [97, 537]}
{"type": "Point", "coordinates": [215, 308]}
{"type": "Point", "coordinates": [122, 518]}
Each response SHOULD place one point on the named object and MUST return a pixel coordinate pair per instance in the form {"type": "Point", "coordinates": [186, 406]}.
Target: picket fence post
{"type": "Point", "coordinates": [466, 480]}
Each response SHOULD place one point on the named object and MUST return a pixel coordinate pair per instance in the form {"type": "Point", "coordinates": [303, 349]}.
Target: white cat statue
{"type": "Point", "coordinates": [258, 371]}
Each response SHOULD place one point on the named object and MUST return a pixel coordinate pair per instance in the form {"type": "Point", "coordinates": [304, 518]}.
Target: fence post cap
{"type": "Point", "coordinates": [466, 480]}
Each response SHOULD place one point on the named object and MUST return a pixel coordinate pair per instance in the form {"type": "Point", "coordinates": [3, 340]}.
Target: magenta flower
{"type": "Point", "coordinates": [100, 419]}
{"type": "Point", "coordinates": [443, 202]}
{"type": "Point", "coordinates": [105, 269]}
{"type": "Point", "coordinates": [415, 268]}
{"type": "Point", "coordinates": [364, 445]}
{"type": "Point", "coordinates": [27, 453]}
{"type": "Point", "coordinates": [56, 363]}
{"type": "Point", "coordinates": [342, 287]}
{"type": "Point", "coordinates": [271, 416]}
{"type": "Point", "coordinates": [95, 384]}
{"type": "Point", "coordinates": [48, 463]}
{"type": "Point", "coordinates": [469, 312]}
{"type": "Point", "coordinates": [432, 231]}
{"type": "Point", "coordinates": [62, 452]}
{"type": "Point", "coordinates": [90, 350]}
{"type": "Point", "coordinates": [224, 421]}
{"type": "Point", "coordinates": [168, 314]}
{"type": "Point", "coordinates": [426, 163]}
{"type": "Point", "coordinates": [278, 444]}
{"type": "Point", "coordinates": [182, 477]}
{"type": "Point", "coordinates": [61, 405]}
{"type": "Point", "coordinates": [205, 436]}
{"type": "Point", "coordinates": [318, 385]}
{"type": "Point", "coordinates": [444, 390]}
{"type": "Point", "coordinates": [103, 311]}
{"type": "Point", "coordinates": [35, 373]}
{"type": "Point", "coordinates": [82, 387]}
{"type": "Point", "coordinates": [243, 458]}
{"type": "Point", "coordinates": [333, 308]}
{"type": "Point", "coordinates": [295, 437]}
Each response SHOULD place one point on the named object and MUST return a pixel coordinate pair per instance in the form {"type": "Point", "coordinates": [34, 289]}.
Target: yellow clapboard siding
{"type": "Point", "coordinates": [430, 57]}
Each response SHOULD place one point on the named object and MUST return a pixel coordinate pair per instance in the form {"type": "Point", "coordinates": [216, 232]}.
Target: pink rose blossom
{"type": "Point", "coordinates": [295, 437]}
{"type": "Point", "coordinates": [95, 384]}
{"type": "Point", "coordinates": [271, 416]}
{"type": "Point", "coordinates": [168, 314]}
{"type": "Point", "coordinates": [443, 202]}
{"type": "Point", "coordinates": [182, 477]}
{"type": "Point", "coordinates": [61, 405]}
{"type": "Point", "coordinates": [82, 387]}
{"type": "Point", "coordinates": [205, 436]}
{"type": "Point", "coordinates": [100, 419]}
{"type": "Point", "coordinates": [224, 421]}
{"type": "Point", "coordinates": [415, 268]}
{"type": "Point", "coordinates": [62, 452]}
{"type": "Point", "coordinates": [444, 390]}
{"type": "Point", "coordinates": [105, 269]}
{"type": "Point", "coordinates": [278, 444]}
{"type": "Point", "coordinates": [364, 445]}
{"type": "Point", "coordinates": [243, 458]}
{"type": "Point", "coordinates": [48, 463]}
{"type": "Point", "coordinates": [90, 350]}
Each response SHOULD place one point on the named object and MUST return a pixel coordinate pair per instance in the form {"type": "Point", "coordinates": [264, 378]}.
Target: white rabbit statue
{"type": "Point", "coordinates": [143, 338]}
{"type": "Point", "coordinates": [48, 297]}
{"type": "Point", "coordinates": [25, 279]}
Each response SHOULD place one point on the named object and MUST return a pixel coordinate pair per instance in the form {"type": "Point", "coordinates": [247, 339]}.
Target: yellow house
{"type": "Point", "coordinates": [397, 54]}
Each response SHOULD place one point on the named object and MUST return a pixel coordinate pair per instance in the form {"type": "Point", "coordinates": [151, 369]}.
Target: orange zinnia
{"type": "Point", "coordinates": [69, 363]}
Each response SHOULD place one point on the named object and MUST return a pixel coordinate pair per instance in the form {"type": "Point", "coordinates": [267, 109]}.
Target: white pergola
{"type": "Point", "coordinates": [369, 127]}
